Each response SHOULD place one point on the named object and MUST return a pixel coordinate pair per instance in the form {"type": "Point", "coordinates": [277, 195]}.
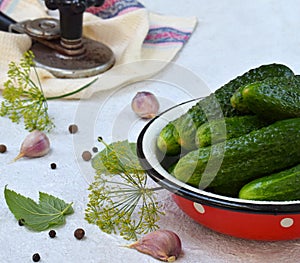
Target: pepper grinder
{"type": "Point", "coordinates": [58, 45]}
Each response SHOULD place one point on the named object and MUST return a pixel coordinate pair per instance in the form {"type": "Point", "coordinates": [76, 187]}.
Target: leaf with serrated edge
{"type": "Point", "coordinates": [49, 212]}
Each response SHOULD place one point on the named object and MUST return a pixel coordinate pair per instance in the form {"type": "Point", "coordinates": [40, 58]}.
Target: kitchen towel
{"type": "Point", "coordinates": [143, 42]}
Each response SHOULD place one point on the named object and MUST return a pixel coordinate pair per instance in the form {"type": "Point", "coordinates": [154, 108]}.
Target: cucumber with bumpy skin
{"type": "Point", "coordinates": [224, 168]}
{"type": "Point", "coordinates": [167, 140]}
{"type": "Point", "coordinates": [220, 130]}
{"type": "Point", "coordinates": [216, 105]}
{"type": "Point", "coordinates": [237, 101]}
{"type": "Point", "coordinates": [273, 98]}
{"type": "Point", "coordinates": [282, 186]}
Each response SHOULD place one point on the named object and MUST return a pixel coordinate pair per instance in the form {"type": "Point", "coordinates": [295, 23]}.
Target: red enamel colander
{"type": "Point", "coordinates": [256, 220]}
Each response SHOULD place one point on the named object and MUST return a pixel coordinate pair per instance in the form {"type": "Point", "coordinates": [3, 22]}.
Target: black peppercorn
{"type": "Point", "coordinates": [52, 233]}
{"type": "Point", "coordinates": [3, 148]}
{"type": "Point", "coordinates": [53, 166]}
{"type": "Point", "coordinates": [86, 155]}
{"type": "Point", "coordinates": [73, 128]}
{"type": "Point", "coordinates": [21, 222]}
{"type": "Point", "coordinates": [36, 257]}
{"type": "Point", "coordinates": [95, 149]}
{"type": "Point", "coordinates": [79, 233]}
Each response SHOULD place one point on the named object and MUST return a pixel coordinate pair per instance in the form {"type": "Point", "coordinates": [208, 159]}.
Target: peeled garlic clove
{"type": "Point", "coordinates": [145, 105]}
{"type": "Point", "coordinates": [164, 245]}
{"type": "Point", "coordinates": [35, 144]}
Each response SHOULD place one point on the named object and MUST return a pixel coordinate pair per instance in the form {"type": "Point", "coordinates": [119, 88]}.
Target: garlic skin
{"type": "Point", "coordinates": [35, 144]}
{"type": "Point", "coordinates": [145, 105]}
{"type": "Point", "coordinates": [164, 245]}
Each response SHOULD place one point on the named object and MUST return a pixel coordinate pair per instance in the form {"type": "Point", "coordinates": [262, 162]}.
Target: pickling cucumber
{"type": "Point", "coordinates": [167, 140]}
{"type": "Point", "coordinates": [237, 101]}
{"type": "Point", "coordinates": [273, 98]}
{"type": "Point", "coordinates": [224, 168]}
{"type": "Point", "coordinates": [216, 105]}
{"type": "Point", "coordinates": [230, 127]}
{"type": "Point", "coordinates": [281, 186]}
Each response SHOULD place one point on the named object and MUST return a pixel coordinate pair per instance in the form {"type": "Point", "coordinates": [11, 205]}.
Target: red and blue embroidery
{"type": "Point", "coordinates": [3, 3]}
{"type": "Point", "coordinates": [162, 35]}
{"type": "Point", "coordinates": [156, 36]}
{"type": "Point", "coordinates": [112, 8]}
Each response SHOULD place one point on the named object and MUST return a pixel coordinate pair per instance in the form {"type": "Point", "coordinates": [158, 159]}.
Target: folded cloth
{"type": "Point", "coordinates": [143, 43]}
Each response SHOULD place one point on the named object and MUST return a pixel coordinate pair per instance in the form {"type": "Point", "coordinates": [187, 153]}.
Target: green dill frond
{"type": "Point", "coordinates": [120, 201]}
{"type": "Point", "coordinates": [24, 99]}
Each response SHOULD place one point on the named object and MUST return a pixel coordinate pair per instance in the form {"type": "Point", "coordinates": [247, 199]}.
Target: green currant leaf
{"type": "Point", "coordinates": [50, 211]}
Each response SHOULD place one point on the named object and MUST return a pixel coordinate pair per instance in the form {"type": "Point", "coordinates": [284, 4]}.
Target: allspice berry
{"type": "Point", "coordinates": [79, 233]}
{"type": "Point", "coordinates": [73, 128]}
{"type": "Point", "coordinates": [86, 155]}
{"type": "Point", "coordinates": [3, 148]}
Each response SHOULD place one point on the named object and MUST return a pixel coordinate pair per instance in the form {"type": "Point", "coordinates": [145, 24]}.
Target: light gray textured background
{"type": "Point", "coordinates": [232, 36]}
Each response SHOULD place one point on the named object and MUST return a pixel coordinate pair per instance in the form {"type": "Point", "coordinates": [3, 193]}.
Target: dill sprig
{"type": "Point", "coordinates": [120, 202]}
{"type": "Point", "coordinates": [24, 99]}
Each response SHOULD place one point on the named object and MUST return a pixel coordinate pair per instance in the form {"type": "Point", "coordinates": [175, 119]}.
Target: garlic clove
{"type": "Point", "coordinates": [145, 105]}
{"type": "Point", "coordinates": [35, 144]}
{"type": "Point", "coordinates": [164, 245]}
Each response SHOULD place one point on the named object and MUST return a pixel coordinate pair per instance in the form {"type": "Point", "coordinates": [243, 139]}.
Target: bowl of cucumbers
{"type": "Point", "coordinates": [232, 159]}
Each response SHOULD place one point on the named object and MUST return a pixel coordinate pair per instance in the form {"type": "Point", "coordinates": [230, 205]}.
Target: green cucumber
{"type": "Point", "coordinates": [237, 101]}
{"type": "Point", "coordinates": [273, 98]}
{"type": "Point", "coordinates": [167, 140]}
{"type": "Point", "coordinates": [224, 168]}
{"type": "Point", "coordinates": [216, 105]}
{"type": "Point", "coordinates": [220, 130]}
{"type": "Point", "coordinates": [281, 186]}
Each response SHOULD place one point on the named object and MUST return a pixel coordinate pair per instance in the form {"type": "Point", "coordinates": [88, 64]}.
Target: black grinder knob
{"type": "Point", "coordinates": [85, 57]}
{"type": "Point", "coordinates": [71, 16]}
{"type": "Point", "coordinates": [58, 44]}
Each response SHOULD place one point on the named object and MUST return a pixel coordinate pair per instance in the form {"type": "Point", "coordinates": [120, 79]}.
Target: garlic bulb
{"type": "Point", "coordinates": [145, 105]}
{"type": "Point", "coordinates": [35, 144]}
{"type": "Point", "coordinates": [164, 245]}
